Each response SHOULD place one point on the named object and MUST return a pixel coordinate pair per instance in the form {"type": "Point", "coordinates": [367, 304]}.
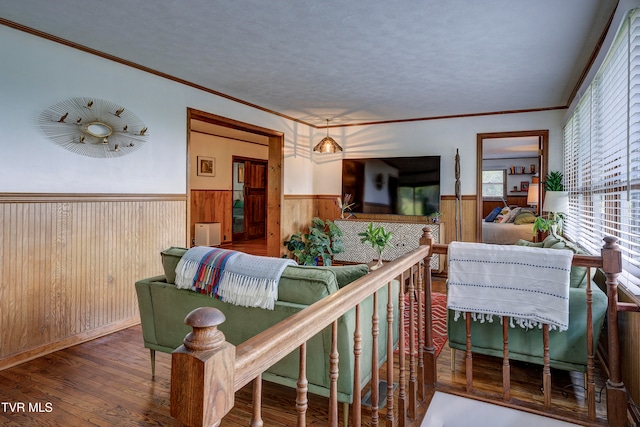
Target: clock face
{"type": "Point", "coordinates": [379, 181]}
{"type": "Point", "coordinates": [93, 127]}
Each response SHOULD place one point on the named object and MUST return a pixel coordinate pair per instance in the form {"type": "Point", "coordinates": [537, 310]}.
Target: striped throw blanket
{"type": "Point", "coordinates": [529, 285]}
{"type": "Point", "coordinates": [201, 268]}
{"type": "Point", "coordinates": [234, 277]}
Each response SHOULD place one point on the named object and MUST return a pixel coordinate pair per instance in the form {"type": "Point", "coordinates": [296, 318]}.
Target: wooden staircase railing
{"type": "Point", "coordinates": [610, 262]}
{"type": "Point", "coordinates": [207, 371]}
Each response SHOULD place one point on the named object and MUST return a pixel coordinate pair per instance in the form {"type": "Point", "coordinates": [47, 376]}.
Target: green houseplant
{"type": "Point", "coordinates": [323, 240]}
{"type": "Point", "coordinates": [435, 217]}
{"type": "Point", "coordinates": [554, 189]}
{"type": "Point", "coordinates": [378, 238]}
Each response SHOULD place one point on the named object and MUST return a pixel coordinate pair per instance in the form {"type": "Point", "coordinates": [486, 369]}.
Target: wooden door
{"type": "Point", "coordinates": [250, 198]}
{"type": "Point", "coordinates": [255, 189]}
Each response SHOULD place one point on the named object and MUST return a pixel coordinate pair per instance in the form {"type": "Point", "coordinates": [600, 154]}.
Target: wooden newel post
{"type": "Point", "coordinates": [616, 393]}
{"type": "Point", "coordinates": [203, 371]}
{"type": "Point", "coordinates": [427, 238]}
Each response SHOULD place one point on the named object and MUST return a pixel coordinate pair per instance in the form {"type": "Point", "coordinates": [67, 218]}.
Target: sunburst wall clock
{"type": "Point", "coordinates": [93, 127]}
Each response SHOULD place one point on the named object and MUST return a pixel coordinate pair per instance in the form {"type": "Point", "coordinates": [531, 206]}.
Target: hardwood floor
{"type": "Point", "coordinates": [107, 382]}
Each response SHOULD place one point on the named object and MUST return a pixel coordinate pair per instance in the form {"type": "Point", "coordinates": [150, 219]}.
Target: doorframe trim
{"type": "Point", "coordinates": [543, 134]}
{"type": "Point", "coordinates": [275, 172]}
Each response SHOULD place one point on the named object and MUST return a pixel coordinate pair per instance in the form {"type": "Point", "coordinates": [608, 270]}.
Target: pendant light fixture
{"type": "Point", "coordinates": [328, 144]}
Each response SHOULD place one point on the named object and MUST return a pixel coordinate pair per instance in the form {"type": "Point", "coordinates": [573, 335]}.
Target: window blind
{"type": "Point", "coordinates": [602, 156]}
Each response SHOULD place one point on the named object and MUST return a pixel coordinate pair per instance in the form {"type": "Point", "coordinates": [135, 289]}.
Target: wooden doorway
{"type": "Point", "coordinates": [542, 138]}
{"type": "Point", "coordinates": [249, 198]}
{"type": "Point", "coordinates": [274, 197]}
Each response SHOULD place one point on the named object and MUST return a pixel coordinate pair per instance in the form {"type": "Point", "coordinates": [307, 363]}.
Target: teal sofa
{"type": "Point", "coordinates": [163, 309]}
{"type": "Point", "coordinates": [568, 350]}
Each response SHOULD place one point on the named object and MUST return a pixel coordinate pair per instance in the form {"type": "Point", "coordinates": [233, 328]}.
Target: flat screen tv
{"type": "Point", "coordinates": [393, 185]}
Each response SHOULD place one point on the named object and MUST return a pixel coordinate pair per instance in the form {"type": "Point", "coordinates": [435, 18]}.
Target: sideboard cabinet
{"type": "Point", "coordinates": [406, 236]}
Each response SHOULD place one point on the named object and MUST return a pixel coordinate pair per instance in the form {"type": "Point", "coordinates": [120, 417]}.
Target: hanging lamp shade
{"type": "Point", "coordinates": [328, 144]}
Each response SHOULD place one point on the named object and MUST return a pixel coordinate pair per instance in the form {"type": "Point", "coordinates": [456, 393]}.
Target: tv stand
{"type": "Point", "coordinates": [406, 236]}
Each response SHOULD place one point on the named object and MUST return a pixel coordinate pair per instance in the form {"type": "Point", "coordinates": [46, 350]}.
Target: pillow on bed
{"type": "Point", "coordinates": [524, 217]}
{"type": "Point", "coordinates": [493, 214]}
{"type": "Point", "coordinates": [503, 216]}
{"type": "Point", "coordinates": [513, 214]}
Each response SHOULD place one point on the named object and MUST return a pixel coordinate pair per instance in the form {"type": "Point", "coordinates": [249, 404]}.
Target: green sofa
{"type": "Point", "coordinates": [568, 350]}
{"type": "Point", "coordinates": [163, 309]}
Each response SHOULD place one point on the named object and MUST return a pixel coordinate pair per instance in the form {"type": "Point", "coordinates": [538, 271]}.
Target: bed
{"type": "Point", "coordinates": [509, 233]}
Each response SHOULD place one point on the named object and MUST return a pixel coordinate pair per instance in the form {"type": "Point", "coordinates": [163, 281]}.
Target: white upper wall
{"type": "Point", "coordinates": [36, 73]}
{"type": "Point", "coordinates": [432, 137]}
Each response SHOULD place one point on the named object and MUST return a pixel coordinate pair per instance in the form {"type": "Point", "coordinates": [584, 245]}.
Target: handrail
{"type": "Point", "coordinates": [610, 262]}
{"type": "Point", "coordinates": [207, 371]}
{"type": "Point", "coordinates": [235, 367]}
{"type": "Point", "coordinates": [260, 352]}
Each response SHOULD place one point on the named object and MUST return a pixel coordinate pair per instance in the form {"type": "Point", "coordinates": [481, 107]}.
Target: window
{"type": "Point", "coordinates": [494, 183]}
{"type": "Point", "coordinates": [602, 156]}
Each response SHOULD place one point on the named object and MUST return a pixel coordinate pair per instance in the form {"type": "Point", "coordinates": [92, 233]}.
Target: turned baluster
{"type": "Point", "coordinates": [390, 418]}
{"type": "Point", "coordinates": [357, 352]}
{"type": "Point", "coordinates": [421, 330]}
{"type": "Point", "coordinates": [333, 376]}
{"type": "Point", "coordinates": [402, 393]}
{"type": "Point", "coordinates": [413, 389]}
{"type": "Point", "coordinates": [590, 382]}
{"type": "Point", "coordinates": [429, 353]}
{"type": "Point", "coordinates": [506, 369]}
{"type": "Point", "coordinates": [203, 371]}
{"type": "Point", "coordinates": [469, 354]}
{"type": "Point", "coordinates": [375, 374]}
{"type": "Point", "coordinates": [256, 417]}
{"type": "Point", "coordinates": [546, 368]}
{"type": "Point", "coordinates": [616, 392]}
{"type": "Point", "coordinates": [302, 387]}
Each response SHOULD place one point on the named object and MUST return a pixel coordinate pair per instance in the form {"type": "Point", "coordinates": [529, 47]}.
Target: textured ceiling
{"type": "Point", "coordinates": [349, 61]}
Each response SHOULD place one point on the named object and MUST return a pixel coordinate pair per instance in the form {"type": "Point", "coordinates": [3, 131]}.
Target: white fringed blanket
{"type": "Point", "coordinates": [234, 277]}
{"type": "Point", "coordinates": [529, 285]}
{"type": "Point", "coordinates": [252, 281]}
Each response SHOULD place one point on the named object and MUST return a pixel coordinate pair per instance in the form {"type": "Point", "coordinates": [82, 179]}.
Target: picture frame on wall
{"type": "Point", "coordinates": [524, 186]}
{"type": "Point", "coordinates": [240, 174]}
{"type": "Point", "coordinates": [206, 166]}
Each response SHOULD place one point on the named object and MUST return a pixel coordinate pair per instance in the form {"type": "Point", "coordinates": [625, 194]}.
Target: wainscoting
{"type": "Point", "coordinates": [69, 262]}
{"type": "Point", "coordinates": [212, 206]}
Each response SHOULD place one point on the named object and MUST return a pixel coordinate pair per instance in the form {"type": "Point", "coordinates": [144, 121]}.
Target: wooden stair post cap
{"type": "Point", "coordinates": [205, 335]}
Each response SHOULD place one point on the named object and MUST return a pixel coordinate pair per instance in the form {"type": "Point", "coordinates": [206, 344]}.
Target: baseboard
{"type": "Point", "coordinates": [34, 353]}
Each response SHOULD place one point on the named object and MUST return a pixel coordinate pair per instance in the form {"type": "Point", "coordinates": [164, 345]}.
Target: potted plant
{"type": "Point", "coordinates": [323, 240]}
{"type": "Point", "coordinates": [555, 203]}
{"type": "Point", "coordinates": [378, 238]}
{"type": "Point", "coordinates": [435, 217]}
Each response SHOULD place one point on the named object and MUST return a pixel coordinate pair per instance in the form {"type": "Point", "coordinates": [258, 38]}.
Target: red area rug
{"type": "Point", "coordinates": [439, 319]}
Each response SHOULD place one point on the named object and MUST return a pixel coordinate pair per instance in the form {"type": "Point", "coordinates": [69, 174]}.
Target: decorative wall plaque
{"type": "Point", "coordinates": [93, 127]}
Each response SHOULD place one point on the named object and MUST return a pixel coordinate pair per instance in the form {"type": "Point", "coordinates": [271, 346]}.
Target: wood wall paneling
{"type": "Point", "coordinates": [327, 207]}
{"type": "Point", "coordinates": [297, 211]}
{"type": "Point", "coordinates": [488, 205]}
{"type": "Point", "coordinates": [469, 212]}
{"type": "Point", "coordinates": [68, 266]}
{"type": "Point", "coordinates": [212, 206]}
